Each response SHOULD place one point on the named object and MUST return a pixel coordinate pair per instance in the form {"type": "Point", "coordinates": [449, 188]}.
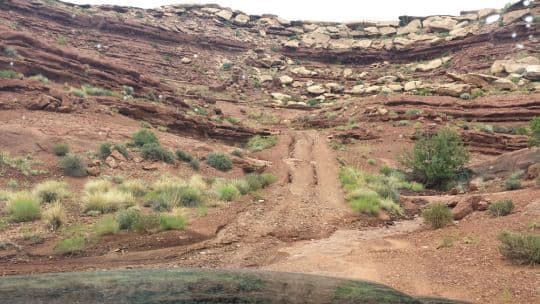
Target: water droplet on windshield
{"type": "Point", "coordinates": [529, 19]}
{"type": "Point", "coordinates": [514, 35]}
{"type": "Point", "coordinates": [493, 18]}
{"type": "Point", "coordinates": [526, 2]}
{"type": "Point", "coordinates": [520, 46]}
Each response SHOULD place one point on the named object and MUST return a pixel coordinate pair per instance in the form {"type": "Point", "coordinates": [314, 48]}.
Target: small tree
{"type": "Point", "coordinates": [535, 131]}
{"type": "Point", "coordinates": [437, 159]}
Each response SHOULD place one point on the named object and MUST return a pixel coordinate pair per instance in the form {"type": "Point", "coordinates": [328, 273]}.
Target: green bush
{"type": "Point", "coordinates": [122, 149]}
{"type": "Point", "coordinates": [143, 137]}
{"type": "Point", "coordinates": [9, 74]}
{"type": "Point", "coordinates": [172, 222]}
{"type": "Point", "coordinates": [184, 156]}
{"type": "Point", "coordinates": [514, 181]}
{"type": "Point", "coordinates": [242, 186]}
{"type": "Point", "coordinates": [55, 216]}
{"type": "Point", "coordinates": [258, 181]}
{"type": "Point", "coordinates": [23, 207]}
{"type": "Point", "coordinates": [195, 165]}
{"type": "Point", "coordinates": [148, 223]}
{"type": "Point", "coordinates": [128, 219]}
{"type": "Point", "coordinates": [501, 208]}
{"type": "Point", "coordinates": [73, 165]}
{"type": "Point", "coordinates": [71, 245]}
{"type": "Point", "coordinates": [105, 149]}
{"type": "Point", "coordinates": [51, 191]}
{"type": "Point", "coordinates": [106, 226]}
{"type": "Point", "coordinates": [259, 143]}
{"type": "Point", "coordinates": [535, 131]}
{"type": "Point", "coordinates": [437, 215]}
{"type": "Point", "coordinates": [154, 152]}
{"type": "Point", "coordinates": [520, 248]}
{"type": "Point", "coordinates": [61, 149]}
{"type": "Point", "coordinates": [437, 160]}
{"type": "Point", "coordinates": [365, 201]}
{"type": "Point", "coordinates": [219, 161]}
{"type": "Point", "coordinates": [237, 153]}
{"type": "Point", "coordinates": [227, 191]}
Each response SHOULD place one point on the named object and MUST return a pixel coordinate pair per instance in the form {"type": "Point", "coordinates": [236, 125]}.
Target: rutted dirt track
{"type": "Point", "coordinates": [306, 203]}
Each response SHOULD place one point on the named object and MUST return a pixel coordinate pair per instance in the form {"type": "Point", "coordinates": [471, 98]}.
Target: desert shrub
{"type": "Point", "coordinates": [437, 215]}
{"type": "Point", "coordinates": [501, 208]}
{"type": "Point", "coordinates": [73, 165]}
{"type": "Point", "coordinates": [365, 201]}
{"type": "Point", "coordinates": [9, 74]}
{"type": "Point", "coordinates": [534, 125]}
{"type": "Point", "coordinates": [198, 182]}
{"type": "Point", "coordinates": [237, 153]}
{"type": "Point", "coordinates": [106, 202]}
{"type": "Point", "coordinates": [513, 182]}
{"type": "Point", "coordinates": [10, 52]}
{"type": "Point", "coordinates": [191, 197]}
{"type": "Point", "coordinates": [71, 245]}
{"type": "Point", "coordinates": [61, 149]}
{"type": "Point", "coordinates": [105, 149]}
{"type": "Point", "coordinates": [390, 206]}
{"type": "Point", "coordinates": [23, 207]}
{"type": "Point", "coordinates": [226, 191]}
{"type": "Point", "coordinates": [154, 152]}
{"type": "Point", "coordinates": [195, 164]}
{"type": "Point", "coordinates": [219, 161]}
{"type": "Point", "coordinates": [122, 149]}
{"type": "Point", "coordinates": [259, 143]}
{"type": "Point", "coordinates": [143, 137]}
{"type": "Point", "coordinates": [172, 222]}
{"type": "Point", "coordinates": [258, 181]}
{"type": "Point", "coordinates": [55, 216]}
{"type": "Point", "coordinates": [242, 186]}
{"type": "Point", "coordinates": [128, 219]}
{"type": "Point", "coordinates": [520, 248]}
{"type": "Point", "coordinates": [40, 78]}
{"type": "Point", "coordinates": [136, 187]}
{"type": "Point", "coordinates": [437, 160]}
{"type": "Point", "coordinates": [51, 191]}
{"type": "Point", "coordinates": [184, 156]}
{"type": "Point", "coordinates": [106, 226]}
{"type": "Point", "coordinates": [97, 186]}
{"type": "Point", "coordinates": [95, 91]}
{"type": "Point", "coordinates": [147, 223]}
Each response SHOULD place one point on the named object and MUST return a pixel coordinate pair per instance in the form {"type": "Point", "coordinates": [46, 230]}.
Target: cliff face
{"type": "Point", "coordinates": [185, 58]}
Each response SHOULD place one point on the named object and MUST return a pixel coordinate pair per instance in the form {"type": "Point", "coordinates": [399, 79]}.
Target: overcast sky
{"type": "Point", "coordinates": [329, 10]}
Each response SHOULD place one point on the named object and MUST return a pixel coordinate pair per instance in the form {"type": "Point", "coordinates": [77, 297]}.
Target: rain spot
{"type": "Point", "coordinates": [493, 18]}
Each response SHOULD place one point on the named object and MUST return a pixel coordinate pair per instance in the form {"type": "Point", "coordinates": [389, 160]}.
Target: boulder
{"type": "Point", "coordinates": [302, 71]}
{"type": "Point", "coordinates": [411, 27]}
{"type": "Point", "coordinates": [347, 73]}
{"type": "Point", "coordinates": [316, 89]}
{"type": "Point", "coordinates": [286, 80]}
{"type": "Point", "coordinates": [486, 12]}
{"type": "Point", "coordinates": [453, 89]}
{"type": "Point", "coordinates": [518, 66]}
{"type": "Point", "coordinates": [241, 19]}
{"type": "Point", "coordinates": [357, 90]}
{"type": "Point", "coordinates": [111, 162]}
{"type": "Point", "coordinates": [412, 85]}
{"type": "Point", "coordinates": [118, 156]}
{"type": "Point", "coordinates": [314, 38]}
{"type": "Point", "coordinates": [338, 44]}
{"type": "Point", "coordinates": [504, 84]}
{"type": "Point", "coordinates": [185, 60]}
{"type": "Point", "coordinates": [334, 87]}
{"type": "Point", "coordinates": [265, 78]}
{"type": "Point", "coordinates": [439, 24]}
{"type": "Point", "coordinates": [280, 96]}
{"type": "Point", "coordinates": [514, 16]}
{"type": "Point", "coordinates": [532, 72]}
{"type": "Point", "coordinates": [395, 87]}
{"type": "Point", "coordinates": [372, 89]}
{"type": "Point", "coordinates": [462, 209]}
{"type": "Point", "coordinates": [224, 14]}
{"type": "Point", "coordinates": [387, 31]}
{"type": "Point", "coordinates": [431, 65]}
{"type": "Point", "coordinates": [361, 44]}
{"type": "Point", "coordinates": [293, 44]}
